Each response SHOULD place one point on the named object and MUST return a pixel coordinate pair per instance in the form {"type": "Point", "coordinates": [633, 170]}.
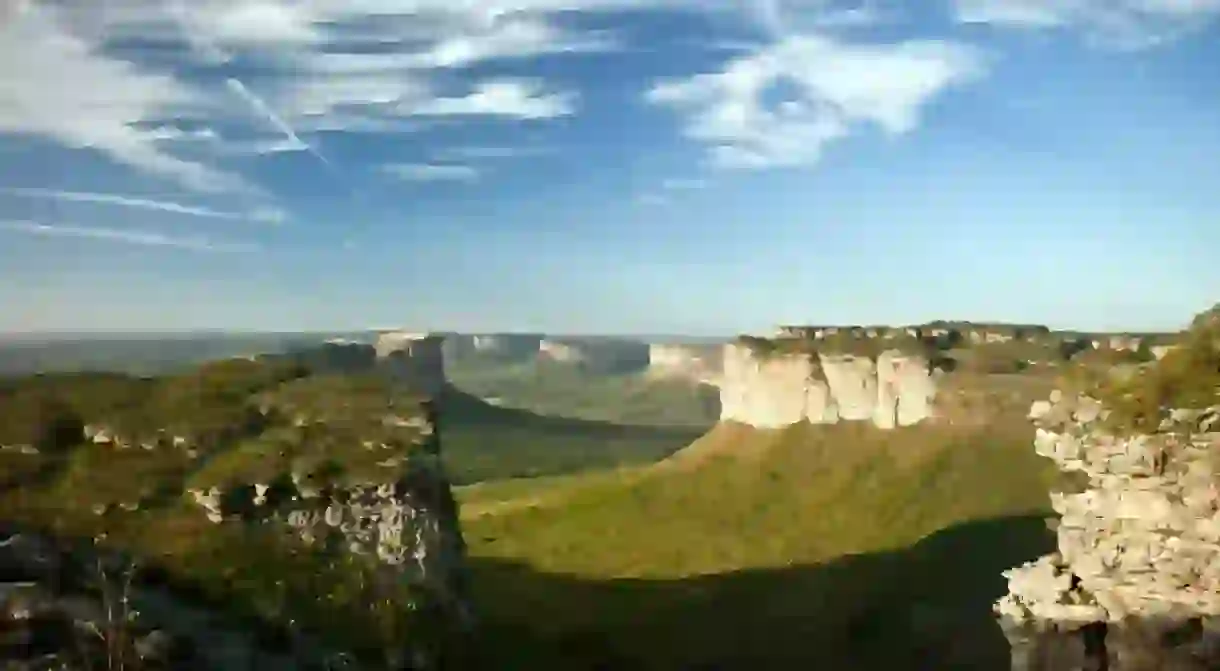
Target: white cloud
{"type": "Point", "coordinates": [431, 172]}
{"type": "Point", "coordinates": [515, 98]}
{"type": "Point", "coordinates": [1039, 13]}
{"type": "Point", "coordinates": [787, 17]}
{"type": "Point", "coordinates": [143, 238]}
{"type": "Point", "coordinates": [62, 89]}
{"type": "Point", "coordinates": [826, 89]}
{"type": "Point", "coordinates": [262, 214]}
{"type": "Point", "coordinates": [519, 37]}
{"type": "Point", "coordinates": [479, 153]}
{"type": "Point", "coordinates": [329, 72]}
{"type": "Point", "coordinates": [677, 184]}
{"type": "Point", "coordinates": [1126, 24]}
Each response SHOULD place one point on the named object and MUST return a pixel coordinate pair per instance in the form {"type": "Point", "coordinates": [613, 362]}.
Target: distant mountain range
{"type": "Point", "coordinates": [149, 353]}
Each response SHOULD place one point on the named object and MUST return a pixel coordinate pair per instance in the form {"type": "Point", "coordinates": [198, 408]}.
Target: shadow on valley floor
{"type": "Point", "coordinates": [923, 607]}
{"type": "Point", "coordinates": [483, 441]}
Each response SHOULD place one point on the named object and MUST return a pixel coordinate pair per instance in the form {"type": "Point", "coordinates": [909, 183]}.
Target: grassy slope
{"type": "Point", "coordinates": [483, 442]}
{"type": "Point", "coordinates": [562, 390]}
{"type": "Point", "coordinates": [720, 557]}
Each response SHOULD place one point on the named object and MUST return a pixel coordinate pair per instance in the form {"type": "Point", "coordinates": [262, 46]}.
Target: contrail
{"type": "Point", "coordinates": [138, 203]}
{"type": "Point", "coordinates": [127, 237]}
{"type": "Point", "coordinates": [213, 52]}
{"type": "Point", "coordinates": [263, 108]}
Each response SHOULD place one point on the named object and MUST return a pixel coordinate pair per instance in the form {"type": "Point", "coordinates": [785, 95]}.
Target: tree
{"type": "Point", "coordinates": [55, 426]}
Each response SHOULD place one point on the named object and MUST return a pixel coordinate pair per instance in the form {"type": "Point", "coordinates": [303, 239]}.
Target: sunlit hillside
{"type": "Point", "coordinates": [768, 546]}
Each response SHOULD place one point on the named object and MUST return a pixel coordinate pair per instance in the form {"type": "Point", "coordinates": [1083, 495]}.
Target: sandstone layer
{"type": "Point", "coordinates": [775, 390]}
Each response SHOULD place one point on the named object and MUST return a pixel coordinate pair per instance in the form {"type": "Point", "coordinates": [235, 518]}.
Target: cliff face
{"type": "Point", "coordinates": [700, 363]}
{"type": "Point", "coordinates": [1135, 583]}
{"type": "Point", "coordinates": [774, 390]}
{"type": "Point", "coordinates": [389, 510]}
{"type": "Point", "coordinates": [611, 355]}
{"type": "Point", "coordinates": [414, 359]}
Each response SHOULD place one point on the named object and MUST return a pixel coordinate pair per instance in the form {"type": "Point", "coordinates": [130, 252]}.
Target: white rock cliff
{"type": "Point", "coordinates": [1135, 583]}
{"type": "Point", "coordinates": [771, 391]}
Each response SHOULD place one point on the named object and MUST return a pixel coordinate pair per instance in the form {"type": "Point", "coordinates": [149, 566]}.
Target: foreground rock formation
{"type": "Point", "coordinates": [73, 606]}
{"type": "Point", "coordinates": [337, 475]}
{"type": "Point", "coordinates": [774, 389]}
{"type": "Point", "coordinates": [1135, 583]}
{"type": "Point", "coordinates": [387, 506]}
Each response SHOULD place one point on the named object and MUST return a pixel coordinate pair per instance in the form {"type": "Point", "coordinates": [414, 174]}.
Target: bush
{"type": "Point", "coordinates": [42, 421]}
{"type": "Point", "coordinates": [1187, 377]}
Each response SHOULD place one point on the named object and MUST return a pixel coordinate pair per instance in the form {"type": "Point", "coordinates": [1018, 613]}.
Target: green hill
{"type": "Point", "coordinates": [564, 390]}
{"type": "Point", "coordinates": [767, 546]}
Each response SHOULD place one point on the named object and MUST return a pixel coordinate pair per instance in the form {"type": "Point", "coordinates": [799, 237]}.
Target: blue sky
{"type": "Point", "coordinates": [625, 166]}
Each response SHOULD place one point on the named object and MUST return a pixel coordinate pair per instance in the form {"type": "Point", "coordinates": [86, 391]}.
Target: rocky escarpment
{"type": "Point", "coordinates": [415, 360]}
{"type": "Point", "coordinates": [700, 363]}
{"type": "Point", "coordinates": [769, 388]}
{"type": "Point", "coordinates": [1135, 583]}
{"type": "Point", "coordinates": [505, 347]}
{"type": "Point", "coordinates": [605, 355]}
{"type": "Point", "coordinates": [383, 504]}
{"type": "Point", "coordinates": [339, 477]}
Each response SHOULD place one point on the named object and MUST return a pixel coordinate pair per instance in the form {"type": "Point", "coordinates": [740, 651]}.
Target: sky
{"type": "Point", "coordinates": [701, 167]}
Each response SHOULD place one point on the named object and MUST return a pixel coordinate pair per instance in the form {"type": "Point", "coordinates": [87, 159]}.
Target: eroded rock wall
{"type": "Point", "coordinates": [508, 346]}
{"type": "Point", "coordinates": [1135, 583]}
{"type": "Point", "coordinates": [774, 390]}
{"type": "Point", "coordinates": [404, 524]}
{"type": "Point", "coordinates": [413, 359]}
{"type": "Point", "coordinates": [699, 363]}
{"type": "Point", "coordinates": [610, 355]}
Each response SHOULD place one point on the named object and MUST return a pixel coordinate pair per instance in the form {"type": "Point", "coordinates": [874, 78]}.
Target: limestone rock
{"type": "Point", "coordinates": [1135, 583]}
{"type": "Point", "coordinates": [777, 390]}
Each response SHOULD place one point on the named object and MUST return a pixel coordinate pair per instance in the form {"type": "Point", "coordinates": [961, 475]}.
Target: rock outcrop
{"type": "Point", "coordinates": [699, 363]}
{"type": "Point", "coordinates": [415, 360]}
{"type": "Point", "coordinates": [1135, 583]}
{"type": "Point", "coordinates": [771, 390]}
{"type": "Point", "coordinates": [391, 509]}
{"type": "Point", "coordinates": [74, 606]}
{"type": "Point", "coordinates": [605, 355]}
{"type": "Point", "coordinates": [510, 346]}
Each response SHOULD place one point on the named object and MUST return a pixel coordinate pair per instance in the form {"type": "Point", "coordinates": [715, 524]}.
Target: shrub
{"type": "Point", "coordinates": [1187, 377]}
{"type": "Point", "coordinates": [40, 420]}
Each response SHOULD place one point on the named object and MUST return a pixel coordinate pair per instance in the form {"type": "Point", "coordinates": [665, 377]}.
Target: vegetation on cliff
{"type": "Point", "coordinates": [838, 344]}
{"type": "Point", "coordinates": [1188, 376]}
{"type": "Point", "coordinates": [229, 423]}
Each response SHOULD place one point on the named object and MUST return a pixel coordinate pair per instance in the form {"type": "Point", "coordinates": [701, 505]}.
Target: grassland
{"type": "Point", "coordinates": [556, 389]}
{"type": "Point", "coordinates": [812, 547]}
{"type": "Point", "coordinates": [762, 546]}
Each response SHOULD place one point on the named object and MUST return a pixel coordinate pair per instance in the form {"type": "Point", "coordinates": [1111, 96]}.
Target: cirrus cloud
{"type": "Point", "coordinates": [781, 105]}
{"type": "Point", "coordinates": [1124, 24]}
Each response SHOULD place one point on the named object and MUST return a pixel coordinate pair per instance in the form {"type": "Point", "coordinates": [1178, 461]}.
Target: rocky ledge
{"type": "Point", "coordinates": [1135, 583]}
